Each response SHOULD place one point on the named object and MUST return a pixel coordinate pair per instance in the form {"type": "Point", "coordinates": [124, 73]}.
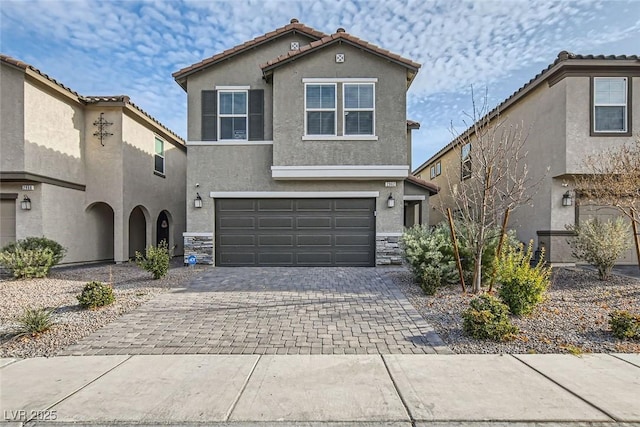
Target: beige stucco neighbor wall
{"type": "Point", "coordinates": [143, 187]}
{"type": "Point", "coordinates": [12, 110]}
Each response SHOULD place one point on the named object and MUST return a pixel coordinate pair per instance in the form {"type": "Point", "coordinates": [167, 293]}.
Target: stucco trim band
{"type": "Point", "coordinates": [191, 234]}
{"type": "Point", "coordinates": [292, 194]}
{"type": "Point", "coordinates": [340, 172]}
{"type": "Point", "coordinates": [412, 198]}
{"type": "Point", "coordinates": [388, 234]}
{"type": "Point", "coordinates": [228, 143]}
{"type": "Point", "coordinates": [233, 87]}
{"type": "Point", "coordinates": [340, 80]}
{"type": "Point", "coordinates": [340, 138]}
{"type": "Point", "coordinates": [26, 176]}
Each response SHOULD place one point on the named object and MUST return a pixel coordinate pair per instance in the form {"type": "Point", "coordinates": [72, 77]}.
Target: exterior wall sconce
{"type": "Point", "coordinates": [25, 204]}
{"type": "Point", "coordinates": [198, 201]}
{"type": "Point", "coordinates": [391, 202]}
{"type": "Point", "coordinates": [567, 200]}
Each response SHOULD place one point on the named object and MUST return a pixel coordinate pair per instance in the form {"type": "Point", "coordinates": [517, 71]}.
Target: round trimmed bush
{"type": "Point", "coordinates": [488, 318]}
{"type": "Point", "coordinates": [96, 294]}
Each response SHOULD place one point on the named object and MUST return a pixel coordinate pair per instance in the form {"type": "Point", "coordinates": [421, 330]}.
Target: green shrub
{"type": "Point", "coordinates": [430, 280]}
{"type": "Point", "coordinates": [488, 318]}
{"type": "Point", "coordinates": [96, 294]}
{"type": "Point", "coordinates": [27, 263]}
{"type": "Point", "coordinates": [35, 243]}
{"type": "Point", "coordinates": [155, 260]}
{"type": "Point", "coordinates": [522, 286]}
{"type": "Point", "coordinates": [35, 321]}
{"type": "Point", "coordinates": [625, 325]}
{"type": "Point", "coordinates": [600, 243]}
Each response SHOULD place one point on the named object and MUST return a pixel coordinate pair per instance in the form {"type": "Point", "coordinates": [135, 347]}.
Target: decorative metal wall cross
{"type": "Point", "coordinates": [102, 132]}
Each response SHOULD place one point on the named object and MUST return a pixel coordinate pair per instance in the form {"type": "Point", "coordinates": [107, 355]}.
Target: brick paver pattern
{"type": "Point", "coordinates": [273, 310]}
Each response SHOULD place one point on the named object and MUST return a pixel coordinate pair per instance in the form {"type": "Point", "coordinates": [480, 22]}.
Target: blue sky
{"type": "Point", "coordinates": [132, 47]}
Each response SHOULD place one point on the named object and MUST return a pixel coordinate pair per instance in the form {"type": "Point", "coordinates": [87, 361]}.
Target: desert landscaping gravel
{"type": "Point", "coordinates": [132, 286]}
{"type": "Point", "coordinates": [573, 319]}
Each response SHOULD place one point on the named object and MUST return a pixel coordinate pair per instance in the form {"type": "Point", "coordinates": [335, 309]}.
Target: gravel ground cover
{"type": "Point", "coordinates": [573, 319]}
{"type": "Point", "coordinates": [132, 286]}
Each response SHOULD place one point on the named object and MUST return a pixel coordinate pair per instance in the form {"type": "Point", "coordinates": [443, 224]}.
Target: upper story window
{"type": "Point", "coordinates": [610, 105]}
{"type": "Point", "coordinates": [233, 115]}
{"type": "Point", "coordinates": [320, 109]}
{"type": "Point", "coordinates": [465, 161]}
{"type": "Point", "coordinates": [158, 157]}
{"type": "Point", "coordinates": [358, 108]}
{"type": "Point", "coordinates": [432, 172]}
{"type": "Point", "coordinates": [438, 168]}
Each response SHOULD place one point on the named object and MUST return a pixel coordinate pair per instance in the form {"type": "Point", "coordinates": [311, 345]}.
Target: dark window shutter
{"type": "Point", "coordinates": [209, 115]}
{"type": "Point", "coordinates": [256, 115]}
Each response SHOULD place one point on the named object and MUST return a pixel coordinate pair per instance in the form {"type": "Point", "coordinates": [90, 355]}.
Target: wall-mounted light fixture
{"type": "Point", "coordinates": [25, 204]}
{"type": "Point", "coordinates": [391, 202]}
{"type": "Point", "coordinates": [198, 201]}
{"type": "Point", "coordinates": [567, 200]}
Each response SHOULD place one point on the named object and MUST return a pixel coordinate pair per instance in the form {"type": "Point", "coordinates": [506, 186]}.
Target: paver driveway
{"type": "Point", "coordinates": [272, 311]}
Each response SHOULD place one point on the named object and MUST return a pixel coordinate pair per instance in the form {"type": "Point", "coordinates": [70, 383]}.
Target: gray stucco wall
{"type": "Point", "coordinates": [12, 129]}
{"type": "Point", "coordinates": [241, 70]}
{"type": "Point", "coordinates": [390, 111]}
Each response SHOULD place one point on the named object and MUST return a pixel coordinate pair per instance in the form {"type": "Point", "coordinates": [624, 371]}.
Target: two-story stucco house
{"type": "Point", "coordinates": [578, 106]}
{"type": "Point", "coordinates": [299, 152]}
{"type": "Point", "coordinates": [101, 176]}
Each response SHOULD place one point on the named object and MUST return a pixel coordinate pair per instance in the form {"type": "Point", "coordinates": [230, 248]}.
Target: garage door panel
{"type": "Point", "coordinates": [275, 222]}
{"type": "Point", "coordinates": [227, 223]}
{"type": "Point", "coordinates": [314, 205]}
{"type": "Point", "coordinates": [235, 205]}
{"type": "Point", "coordinates": [275, 258]}
{"type": "Point", "coordinates": [303, 232]}
{"type": "Point", "coordinates": [275, 205]}
{"type": "Point", "coordinates": [353, 222]}
{"type": "Point", "coordinates": [314, 240]}
{"type": "Point", "coordinates": [353, 240]}
{"type": "Point", "coordinates": [237, 259]}
{"type": "Point", "coordinates": [316, 222]}
{"type": "Point", "coordinates": [237, 240]}
{"type": "Point", "coordinates": [275, 240]}
{"type": "Point", "coordinates": [7, 221]}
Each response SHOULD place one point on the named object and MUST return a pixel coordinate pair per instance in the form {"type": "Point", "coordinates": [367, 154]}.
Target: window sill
{"type": "Point", "coordinates": [609, 133]}
{"type": "Point", "coordinates": [161, 175]}
{"type": "Point", "coordinates": [339, 138]}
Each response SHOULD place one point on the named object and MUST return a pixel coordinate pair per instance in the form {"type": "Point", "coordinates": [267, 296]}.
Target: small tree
{"type": "Point", "coordinates": [613, 179]}
{"type": "Point", "coordinates": [600, 243]}
{"type": "Point", "coordinates": [494, 178]}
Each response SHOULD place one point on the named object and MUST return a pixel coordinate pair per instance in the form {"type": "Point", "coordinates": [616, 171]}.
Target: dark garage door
{"type": "Point", "coordinates": [302, 232]}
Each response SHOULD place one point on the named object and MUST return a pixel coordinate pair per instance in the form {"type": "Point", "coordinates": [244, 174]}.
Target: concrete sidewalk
{"type": "Point", "coordinates": [333, 390]}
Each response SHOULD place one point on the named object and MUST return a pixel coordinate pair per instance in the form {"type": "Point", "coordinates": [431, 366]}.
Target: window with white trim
{"type": "Point", "coordinates": [610, 104]}
{"type": "Point", "coordinates": [359, 108]}
{"type": "Point", "coordinates": [465, 161]}
{"type": "Point", "coordinates": [320, 109]}
{"type": "Point", "coordinates": [432, 172]}
{"type": "Point", "coordinates": [438, 168]}
{"type": "Point", "coordinates": [158, 157]}
{"type": "Point", "coordinates": [232, 115]}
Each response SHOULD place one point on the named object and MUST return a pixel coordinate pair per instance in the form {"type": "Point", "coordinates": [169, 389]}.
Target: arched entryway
{"type": "Point", "coordinates": [100, 243]}
{"type": "Point", "coordinates": [163, 228]}
{"type": "Point", "coordinates": [137, 231]}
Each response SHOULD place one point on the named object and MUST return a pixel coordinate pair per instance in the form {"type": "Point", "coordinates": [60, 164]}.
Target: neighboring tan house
{"type": "Point", "coordinates": [299, 152]}
{"type": "Point", "coordinates": [578, 106]}
{"type": "Point", "coordinates": [102, 177]}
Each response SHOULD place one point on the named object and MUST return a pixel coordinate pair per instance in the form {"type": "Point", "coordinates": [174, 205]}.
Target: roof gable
{"type": "Point", "coordinates": [341, 36]}
{"type": "Point", "coordinates": [293, 27]}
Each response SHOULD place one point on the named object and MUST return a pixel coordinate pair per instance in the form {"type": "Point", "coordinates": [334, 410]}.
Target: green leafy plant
{"type": "Point", "coordinates": [27, 263]}
{"type": "Point", "coordinates": [488, 318]}
{"type": "Point", "coordinates": [431, 280]}
{"type": "Point", "coordinates": [625, 325]}
{"type": "Point", "coordinates": [34, 243]}
{"type": "Point", "coordinates": [34, 321]}
{"type": "Point", "coordinates": [600, 243]}
{"type": "Point", "coordinates": [96, 294]}
{"type": "Point", "coordinates": [522, 286]}
{"type": "Point", "coordinates": [155, 260]}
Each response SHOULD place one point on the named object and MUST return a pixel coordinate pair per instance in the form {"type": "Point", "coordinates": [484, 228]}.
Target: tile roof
{"type": "Point", "coordinates": [563, 59]}
{"type": "Point", "coordinates": [434, 189]}
{"type": "Point", "coordinates": [90, 99]}
{"type": "Point", "coordinates": [339, 35]}
{"type": "Point", "coordinates": [293, 26]}
{"type": "Point", "coordinates": [413, 124]}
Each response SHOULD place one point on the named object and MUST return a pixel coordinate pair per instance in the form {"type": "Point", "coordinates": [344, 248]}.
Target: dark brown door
{"type": "Point", "coordinates": [295, 232]}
